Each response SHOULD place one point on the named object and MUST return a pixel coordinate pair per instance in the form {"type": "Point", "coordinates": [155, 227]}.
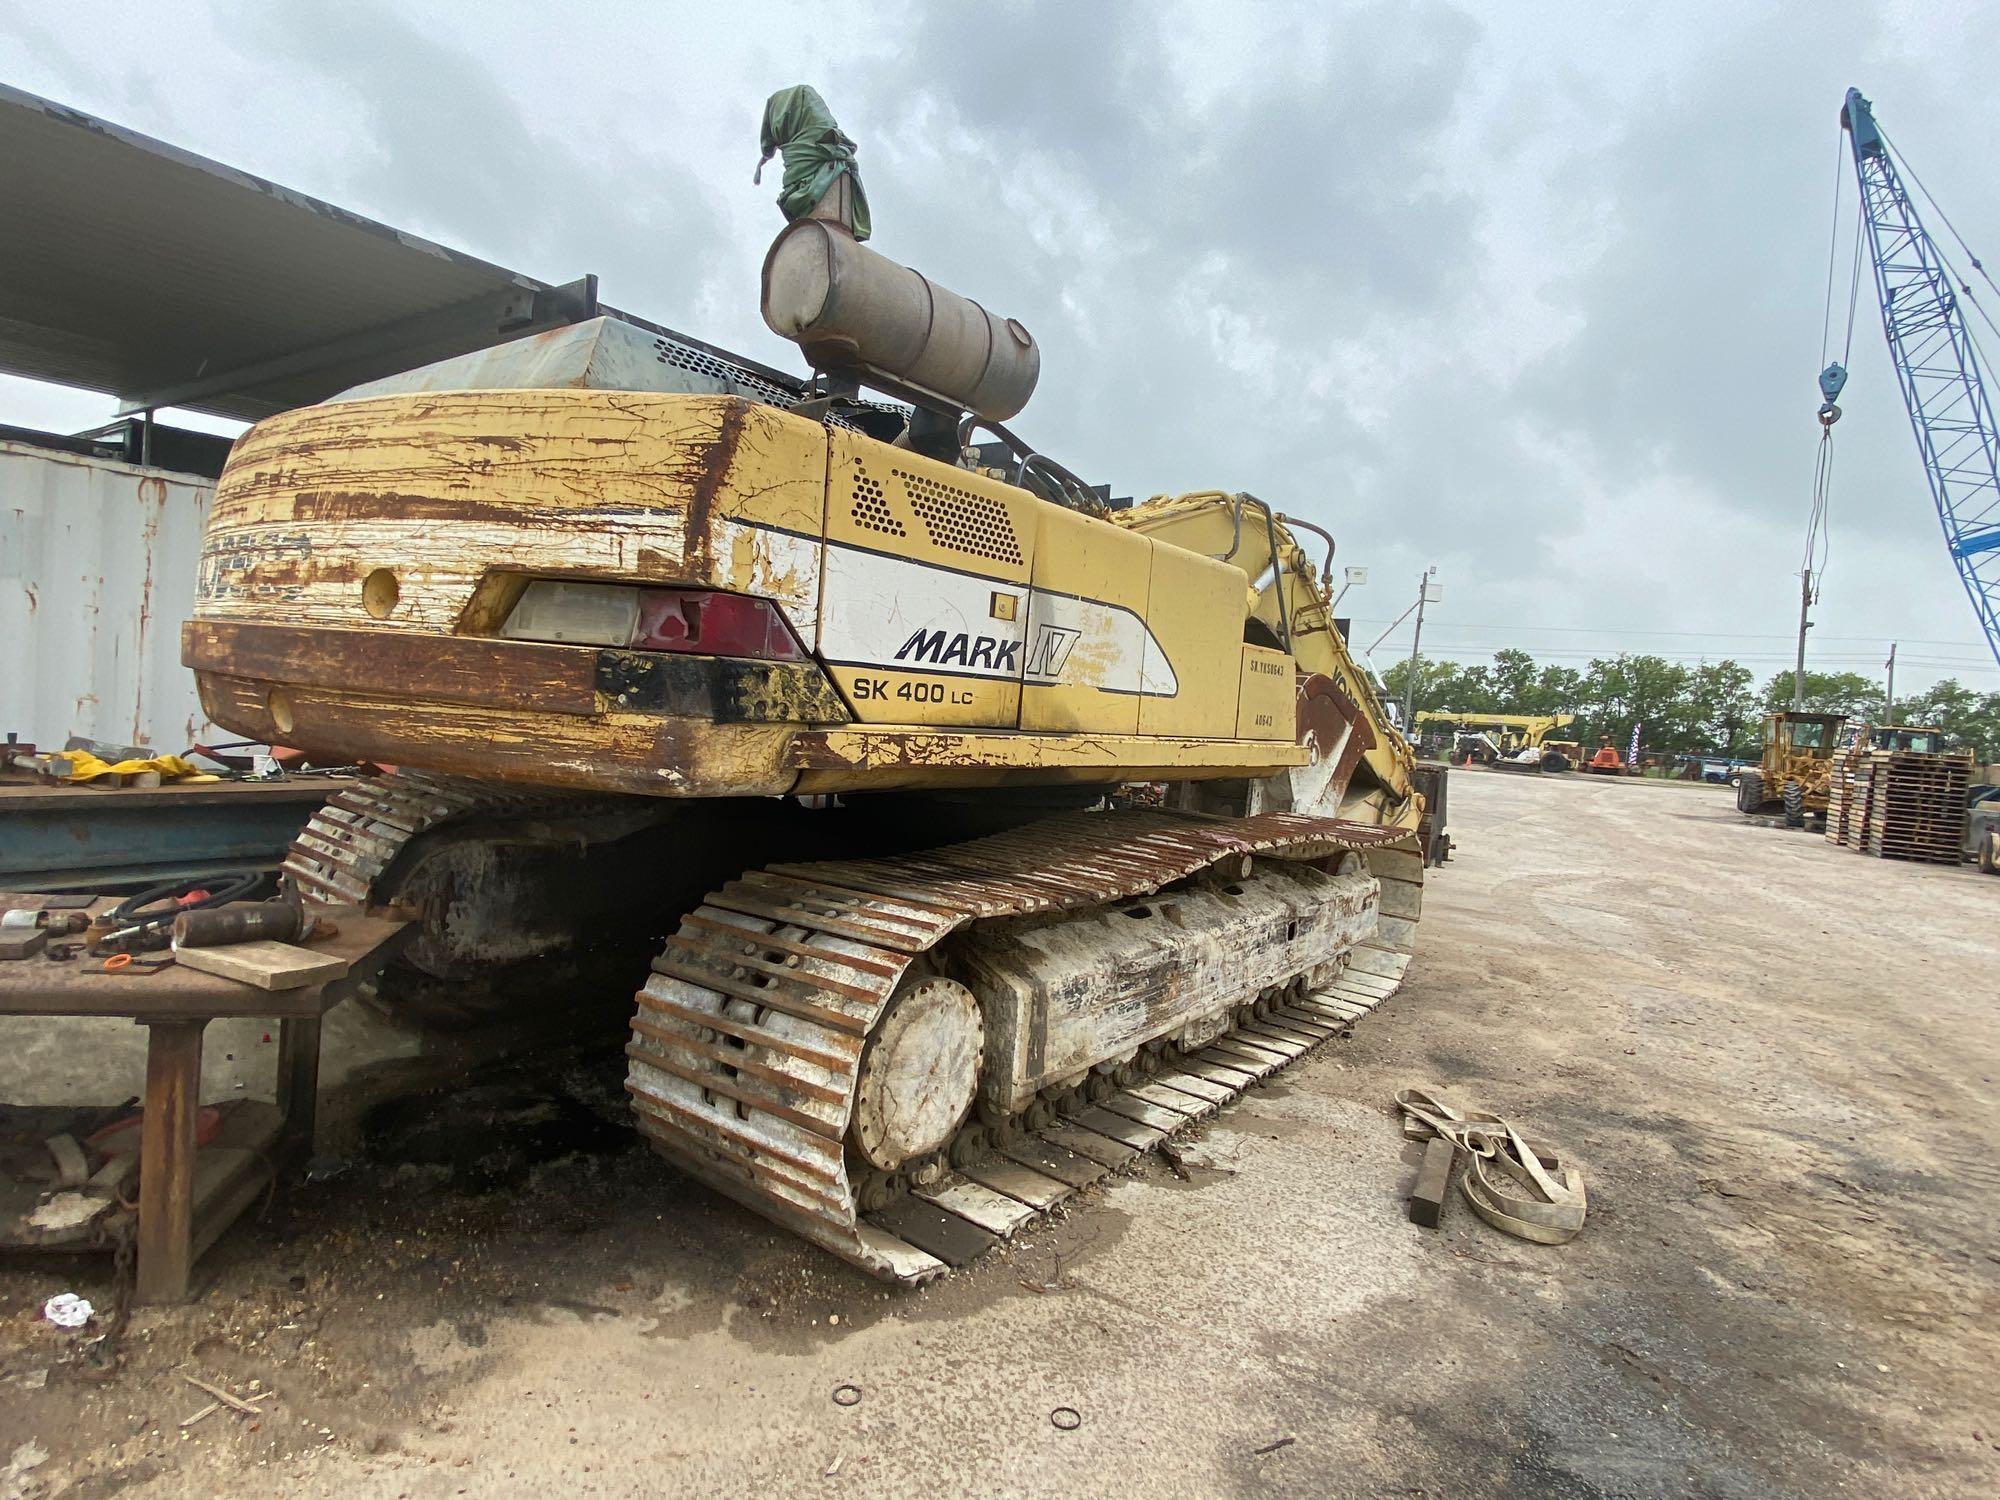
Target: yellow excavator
{"type": "Point", "coordinates": [969, 833]}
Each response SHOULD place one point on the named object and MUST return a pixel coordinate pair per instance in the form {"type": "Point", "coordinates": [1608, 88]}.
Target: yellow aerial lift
{"type": "Point", "coordinates": [1504, 739]}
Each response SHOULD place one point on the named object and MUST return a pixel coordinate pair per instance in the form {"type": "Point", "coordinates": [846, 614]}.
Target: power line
{"type": "Point", "coordinates": [1710, 654]}
{"type": "Point", "coordinates": [1714, 635]}
{"type": "Point", "coordinates": [1741, 658]}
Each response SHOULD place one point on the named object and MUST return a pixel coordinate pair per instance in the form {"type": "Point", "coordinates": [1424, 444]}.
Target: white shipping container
{"type": "Point", "coordinates": [97, 572]}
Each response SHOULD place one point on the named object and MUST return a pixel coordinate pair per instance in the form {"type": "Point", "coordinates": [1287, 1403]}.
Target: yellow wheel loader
{"type": "Point", "coordinates": [967, 832]}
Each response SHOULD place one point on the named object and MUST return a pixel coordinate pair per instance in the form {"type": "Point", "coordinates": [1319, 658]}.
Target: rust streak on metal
{"type": "Point", "coordinates": [716, 458]}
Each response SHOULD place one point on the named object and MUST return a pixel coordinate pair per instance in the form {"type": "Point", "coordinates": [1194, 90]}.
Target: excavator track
{"type": "Point", "coordinates": [348, 845]}
{"type": "Point", "coordinates": [753, 1032]}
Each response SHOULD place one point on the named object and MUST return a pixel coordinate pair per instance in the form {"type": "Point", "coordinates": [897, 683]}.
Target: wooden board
{"type": "Point", "coordinates": [268, 966]}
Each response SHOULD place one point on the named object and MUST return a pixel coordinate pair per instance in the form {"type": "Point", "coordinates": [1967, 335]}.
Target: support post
{"type": "Point", "coordinates": [1416, 641]}
{"type": "Point", "coordinates": [298, 1082]}
{"type": "Point", "coordinates": [166, 1158]}
{"type": "Point", "coordinates": [1889, 697]}
{"type": "Point", "coordinates": [1805, 624]}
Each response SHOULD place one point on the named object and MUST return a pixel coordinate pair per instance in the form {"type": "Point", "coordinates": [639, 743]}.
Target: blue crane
{"type": "Point", "coordinates": [1923, 316]}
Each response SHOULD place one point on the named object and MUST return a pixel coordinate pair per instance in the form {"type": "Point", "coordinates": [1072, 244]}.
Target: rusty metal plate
{"type": "Point", "coordinates": [1023, 1184]}
{"type": "Point", "coordinates": [1119, 1128]}
{"type": "Point", "coordinates": [953, 1240]}
{"type": "Point", "coordinates": [1043, 1155]}
{"type": "Point", "coordinates": [1101, 1149]}
{"type": "Point", "coordinates": [1129, 1106]}
{"type": "Point", "coordinates": [996, 1213]}
{"type": "Point", "coordinates": [1196, 1087]}
{"type": "Point", "coordinates": [1166, 1097]}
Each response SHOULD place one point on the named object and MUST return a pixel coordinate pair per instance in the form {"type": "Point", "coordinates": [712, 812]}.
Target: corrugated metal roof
{"type": "Point", "coordinates": [131, 266]}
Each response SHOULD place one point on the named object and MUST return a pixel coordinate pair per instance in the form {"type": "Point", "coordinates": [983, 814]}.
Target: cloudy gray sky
{"type": "Point", "coordinates": [1533, 293]}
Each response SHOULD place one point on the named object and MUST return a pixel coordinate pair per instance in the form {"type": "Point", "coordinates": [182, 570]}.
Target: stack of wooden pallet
{"type": "Point", "coordinates": [1844, 799]}
{"type": "Point", "coordinates": [1903, 804]}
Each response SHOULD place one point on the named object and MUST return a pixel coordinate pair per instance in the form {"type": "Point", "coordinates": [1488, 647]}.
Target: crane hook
{"type": "Point", "coordinates": [1831, 380]}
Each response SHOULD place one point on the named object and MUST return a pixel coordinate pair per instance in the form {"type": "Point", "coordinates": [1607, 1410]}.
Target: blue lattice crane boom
{"type": "Point", "coordinates": [1937, 364]}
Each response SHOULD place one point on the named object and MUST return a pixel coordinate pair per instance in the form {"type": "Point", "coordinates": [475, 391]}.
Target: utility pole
{"type": "Point", "coordinates": [1889, 698]}
{"type": "Point", "coordinates": [1805, 624]}
{"type": "Point", "coordinates": [1424, 588]}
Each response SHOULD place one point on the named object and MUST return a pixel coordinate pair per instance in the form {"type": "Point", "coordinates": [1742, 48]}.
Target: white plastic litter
{"type": "Point", "coordinates": [67, 1310]}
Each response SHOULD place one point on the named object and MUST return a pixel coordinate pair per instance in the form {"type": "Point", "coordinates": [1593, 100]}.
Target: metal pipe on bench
{"type": "Point", "coordinates": [243, 922]}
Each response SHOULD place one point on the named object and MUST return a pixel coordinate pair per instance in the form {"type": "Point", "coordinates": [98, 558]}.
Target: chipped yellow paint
{"type": "Point", "coordinates": [1268, 699]}
{"type": "Point", "coordinates": [442, 489]}
{"type": "Point", "coordinates": [463, 495]}
{"type": "Point", "coordinates": [1079, 556]}
{"type": "Point", "coordinates": [836, 760]}
{"type": "Point", "coordinates": [1201, 521]}
{"type": "Point", "coordinates": [1188, 598]}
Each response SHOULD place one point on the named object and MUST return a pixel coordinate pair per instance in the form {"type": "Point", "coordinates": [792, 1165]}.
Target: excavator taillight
{"type": "Point", "coordinates": [699, 621]}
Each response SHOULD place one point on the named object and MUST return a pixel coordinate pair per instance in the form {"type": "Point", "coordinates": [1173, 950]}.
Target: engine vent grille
{"type": "Point", "coordinates": [961, 520]}
{"type": "Point", "coordinates": [681, 357]}
{"type": "Point", "coordinates": [872, 510]}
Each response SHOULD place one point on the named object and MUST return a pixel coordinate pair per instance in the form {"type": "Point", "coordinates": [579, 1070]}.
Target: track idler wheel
{"type": "Point", "coordinates": [918, 1073]}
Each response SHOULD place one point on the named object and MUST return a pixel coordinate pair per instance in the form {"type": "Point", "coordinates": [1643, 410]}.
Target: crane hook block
{"type": "Point", "coordinates": [1831, 380]}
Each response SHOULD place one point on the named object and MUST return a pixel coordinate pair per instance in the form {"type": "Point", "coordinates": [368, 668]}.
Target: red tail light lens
{"type": "Point", "coordinates": [698, 621]}
{"type": "Point", "coordinates": [713, 625]}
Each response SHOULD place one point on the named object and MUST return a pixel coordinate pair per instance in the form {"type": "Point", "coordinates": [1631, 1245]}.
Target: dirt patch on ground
{"type": "Point", "coordinates": [1773, 1061]}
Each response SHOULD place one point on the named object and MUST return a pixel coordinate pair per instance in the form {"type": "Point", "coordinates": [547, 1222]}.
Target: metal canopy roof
{"type": "Point", "coordinates": [131, 266]}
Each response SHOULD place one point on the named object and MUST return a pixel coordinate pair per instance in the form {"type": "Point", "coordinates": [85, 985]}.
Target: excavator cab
{"type": "Point", "coordinates": [1900, 737]}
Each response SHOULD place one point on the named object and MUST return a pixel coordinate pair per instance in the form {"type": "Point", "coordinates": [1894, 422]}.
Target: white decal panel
{"type": "Point", "coordinates": [880, 611]}
{"type": "Point", "coordinates": [891, 612]}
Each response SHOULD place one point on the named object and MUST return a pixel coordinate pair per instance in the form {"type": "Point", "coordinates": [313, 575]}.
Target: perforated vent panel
{"type": "Point", "coordinates": [871, 510]}
{"type": "Point", "coordinates": [960, 519]}
{"type": "Point", "coordinates": [683, 357]}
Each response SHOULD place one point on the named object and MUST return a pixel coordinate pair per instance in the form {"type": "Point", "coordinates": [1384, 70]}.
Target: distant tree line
{"type": "Point", "coordinates": [1714, 708]}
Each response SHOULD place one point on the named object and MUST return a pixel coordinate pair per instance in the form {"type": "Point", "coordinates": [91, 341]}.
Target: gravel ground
{"type": "Point", "coordinates": [1772, 1061]}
